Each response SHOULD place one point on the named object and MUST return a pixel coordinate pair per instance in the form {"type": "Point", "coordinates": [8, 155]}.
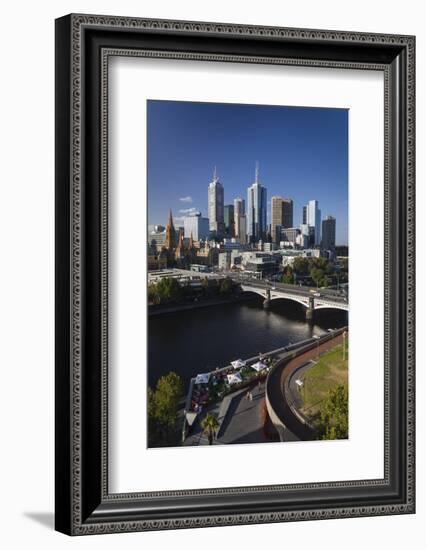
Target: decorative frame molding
{"type": "Point", "coordinates": [84, 44]}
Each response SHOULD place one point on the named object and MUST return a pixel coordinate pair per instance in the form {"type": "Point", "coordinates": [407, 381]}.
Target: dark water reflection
{"type": "Point", "coordinates": [190, 342]}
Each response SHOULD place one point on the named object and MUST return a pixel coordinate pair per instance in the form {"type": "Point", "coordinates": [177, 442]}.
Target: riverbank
{"type": "Point", "coordinates": [156, 310]}
{"type": "Point", "coordinates": [285, 416]}
{"type": "Point", "coordinates": [218, 396]}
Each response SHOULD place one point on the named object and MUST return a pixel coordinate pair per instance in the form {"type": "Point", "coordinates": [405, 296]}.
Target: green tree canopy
{"type": "Point", "coordinates": [301, 265]}
{"type": "Point", "coordinates": [226, 286]}
{"type": "Point", "coordinates": [169, 290]}
{"type": "Point", "coordinates": [333, 418]}
{"type": "Point", "coordinates": [317, 275]}
{"type": "Point", "coordinates": [210, 426]}
{"type": "Point", "coordinates": [288, 275]}
{"type": "Point", "coordinates": [163, 407]}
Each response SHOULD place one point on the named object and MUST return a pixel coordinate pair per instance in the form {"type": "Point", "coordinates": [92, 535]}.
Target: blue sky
{"type": "Point", "coordinates": [302, 154]}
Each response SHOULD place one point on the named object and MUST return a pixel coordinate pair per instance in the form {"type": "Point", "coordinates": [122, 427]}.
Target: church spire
{"type": "Point", "coordinates": [170, 218]}
{"type": "Point", "coordinates": [180, 245]}
{"type": "Point", "coordinates": [170, 233]}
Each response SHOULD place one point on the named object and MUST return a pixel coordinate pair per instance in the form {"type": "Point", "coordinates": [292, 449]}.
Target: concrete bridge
{"type": "Point", "coordinates": [311, 299]}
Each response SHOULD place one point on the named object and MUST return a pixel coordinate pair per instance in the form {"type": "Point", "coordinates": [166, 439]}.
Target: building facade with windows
{"type": "Point", "coordinates": [328, 241]}
{"type": "Point", "coordinates": [256, 210]}
{"type": "Point", "coordinates": [314, 220]}
{"type": "Point", "coordinates": [216, 205]}
{"type": "Point", "coordinates": [229, 220]}
{"type": "Point", "coordinates": [197, 226]}
{"type": "Point", "coordinates": [239, 211]}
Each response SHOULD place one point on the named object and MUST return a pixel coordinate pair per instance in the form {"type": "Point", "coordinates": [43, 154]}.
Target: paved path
{"type": "Point", "coordinates": [197, 437]}
{"type": "Point", "coordinates": [243, 422]}
{"type": "Point", "coordinates": [245, 419]}
{"type": "Point", "coordinates": [280, 377]}
{"type": "Point", "coordinates": [245, 427]}
{"type": "Point", "coordinates": [294, 389]}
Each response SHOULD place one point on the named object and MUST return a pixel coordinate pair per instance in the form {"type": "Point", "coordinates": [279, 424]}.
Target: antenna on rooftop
{"type": "Point", "coordinates": [215, 174]}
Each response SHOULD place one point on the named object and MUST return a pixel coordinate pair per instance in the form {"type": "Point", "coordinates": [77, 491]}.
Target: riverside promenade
{"type": "Point", "coordinates": [241, 420]}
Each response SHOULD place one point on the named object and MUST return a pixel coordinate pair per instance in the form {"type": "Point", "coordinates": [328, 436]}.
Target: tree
{"type": "Point", "coordinates": [333, 416]}
{"type": "Point", "coordinates": [226, 286]}
{"type": "Point", "coordinates": [169, 290]}
{"type": "Point", "coordinates": [329, 268]}
{"type": "Point", "coordinates": [205, 285]}
{"type": "Point", "coordinates": [153, 297]}
{"type": "Point", "coordinates": [317, 275]}
{"type": "Point", "coordinates": [319, 263]}
{"type": "Point", "coordinates": [301, 265]}
{"type": "Point", "coordinates": [163, 407]}
{"type": "Point", "coordinates": [210, 426]}
{"type": "Point", "coordinates": [288, 275]}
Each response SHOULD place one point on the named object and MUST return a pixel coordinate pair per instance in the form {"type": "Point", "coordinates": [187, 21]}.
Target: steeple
{"type": "Point", "coordinates": [180, 244]}
{"type": "Point", "coordinates": [170, 233]}
{"type": "Point", "coordinates": [180, 252]}
{"type": "Point", "coordinates": [170, 222]}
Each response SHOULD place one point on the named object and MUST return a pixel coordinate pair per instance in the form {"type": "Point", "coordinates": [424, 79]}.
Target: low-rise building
{"type": "Point", "coordinates": [224, 261]}
{"type": "Point", "coordinates": [157, 261]}
{"type": "Point", "coordinates": [288, 256]}
{"type": "Point", "coordinates": [198, 268]}
{"type": "Point", "coordinates": [156, 239]}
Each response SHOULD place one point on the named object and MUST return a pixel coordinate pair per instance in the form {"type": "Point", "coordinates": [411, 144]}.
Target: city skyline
{"type": "Point", "coordinates": [187, 190]}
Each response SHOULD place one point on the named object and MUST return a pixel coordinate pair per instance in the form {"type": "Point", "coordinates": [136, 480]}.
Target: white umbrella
{"type": "Point", "coordinates": [234, 378]}
{"type": "Point", "coordinates": [202, 378]}
{"type": "Point", "coordinates": [258, 366]}
{"type": "Point", "coordinates": [238, 363]}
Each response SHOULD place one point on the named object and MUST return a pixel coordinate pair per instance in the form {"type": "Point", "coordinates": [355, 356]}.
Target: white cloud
{"type": "Point", "coordinates": [178, 220]}
{"type": "Point", "coordinates": [186, 199]}
{"type": "Point", "coordinates": [189, 211]}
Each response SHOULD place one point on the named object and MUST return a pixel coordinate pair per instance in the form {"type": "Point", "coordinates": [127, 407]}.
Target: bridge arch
{"type": "Point", "coordinates": [308, 300]}
{"type": "Point", "coordinates": [340, 307]}
{"type": "Point", "coordinates": [271, 295]}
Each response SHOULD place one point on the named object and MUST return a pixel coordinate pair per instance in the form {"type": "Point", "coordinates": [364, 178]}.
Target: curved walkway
{"type": "Point", "coordinates": [278, 379]}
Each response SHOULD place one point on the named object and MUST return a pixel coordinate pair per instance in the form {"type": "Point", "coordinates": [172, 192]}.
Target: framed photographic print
{"type": "Point", "coordinates": [234, 274]}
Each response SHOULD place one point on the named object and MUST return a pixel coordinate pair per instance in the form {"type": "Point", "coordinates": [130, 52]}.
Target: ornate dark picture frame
{"type": "Point", "coordinates": [84, 44]}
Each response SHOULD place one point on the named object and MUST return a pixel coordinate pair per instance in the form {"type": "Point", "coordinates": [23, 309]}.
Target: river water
{"type": "Point", "coordinates": [199, 340]}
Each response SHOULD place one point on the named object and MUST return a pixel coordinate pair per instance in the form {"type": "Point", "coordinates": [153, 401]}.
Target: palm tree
{"type": "Point", "coordinates": [210, 425]}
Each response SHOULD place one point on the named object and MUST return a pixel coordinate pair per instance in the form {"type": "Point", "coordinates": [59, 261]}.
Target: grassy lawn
{"type": "Point", "coordinates": [330, 371]}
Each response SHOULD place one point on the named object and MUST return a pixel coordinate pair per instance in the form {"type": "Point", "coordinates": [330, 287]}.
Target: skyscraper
{"type": "Point", "coordinates": [308, 232]}
{"type": "Point", "coordinates": [287, 215]}
{"type": "Point", "coordinates": [243, 229]}
{"type": "Point", "coordinates": [197, 226]}
{"type": "Point", "coordinates": [276, 216]}
{"type": "Point", "coordinates": [215, 205]}
{"type": "Point", "coordinates": [328, 241]}
{"type": "Point", "coordinates": [239, 210]}
{"type": "Point", "coordinates": [256, 209]}
{"type": "Point", "coordinates": [313, 214]}
{"type": "Point", "coordinates": [281, 215]}
{"type": "Point", "coordinates": [228, 218]}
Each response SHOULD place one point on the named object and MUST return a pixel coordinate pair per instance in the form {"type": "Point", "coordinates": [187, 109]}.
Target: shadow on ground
{"type": "Point", "coordinates": [47, 519]}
